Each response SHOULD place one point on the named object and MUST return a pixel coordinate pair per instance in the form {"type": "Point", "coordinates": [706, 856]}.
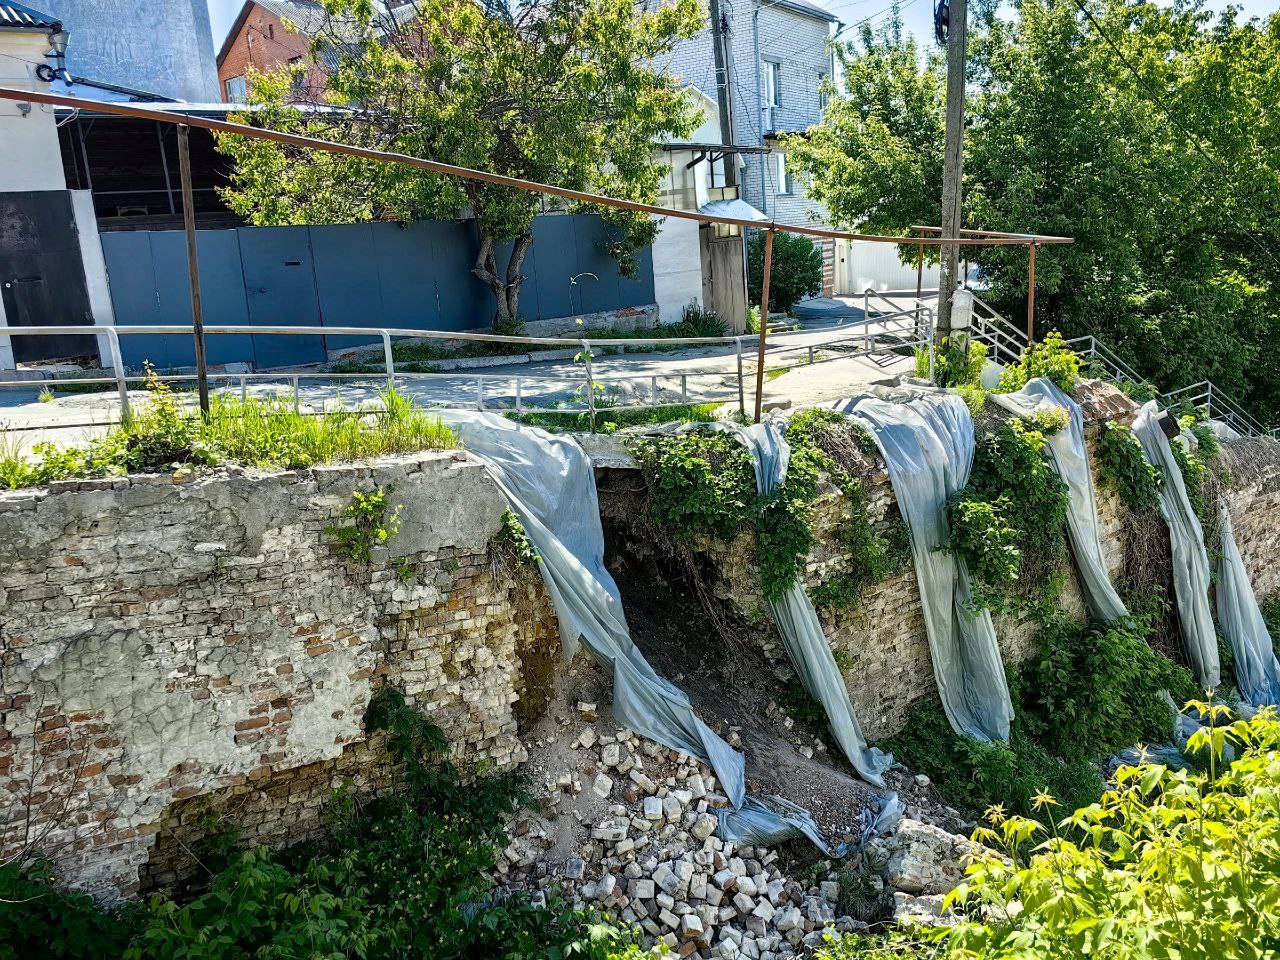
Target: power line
{"type": "Point", "coordinates": [1158, 102]}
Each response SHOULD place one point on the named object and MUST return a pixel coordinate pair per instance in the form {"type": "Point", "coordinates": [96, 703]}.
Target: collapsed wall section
{"type": "Point", "coordinates": [173, 649]}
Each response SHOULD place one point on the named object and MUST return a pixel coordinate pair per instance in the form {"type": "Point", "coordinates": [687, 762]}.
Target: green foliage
{"type": "Point", "coordinates": [753, 317]}
{"type": "Point", "coordinates": [796, 271]}
{"type": "Point", "coordinates": [957, 362]}
{"type": "Point", "coordinates": [1050, 358]}
{"type": "Point", "coordinates": [1270, 608]}
{"type": "Point", "coordinates": [565, 92]}
{"type": "Point", "coordinates": [1167, 863]}
{"type": "Point", "coordinates": [514, 536]}
{"type": "Point", "coordinates": [36, 920]}
{"type": "Point", "coordinates": [698, 321]}
{"type": "Point", "coordinates": [1123, 467]}
{"type": "Point", "coordinates": [260, 433]}
{"type": "Point", "coordinates": [975, 398]}
{"type": "Point", "coordinates": [404, 876]}
{"type": "Point", "coordinates": [1139, 392]}
{"type": "Point", "coordinates": [369, 525]}
{"type": "Point", "coordinates": [1094, 690]}
{"type": "Point", "coordinates": [1008, 524]}
{"type": "Point", "coordinates": [700, 483]}
{"type": "Point", "coordinates": [1194, 472]}
{"type": "Point", "coordinates": [560, 421]}
{"type": "Point", "coordinates": [1171, 264]}
{"type": "Point", "coordinates": [973, 775]}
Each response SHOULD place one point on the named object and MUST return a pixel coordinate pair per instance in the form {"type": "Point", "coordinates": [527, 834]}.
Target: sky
{"type": "Point", "coordinates": [917, 15]}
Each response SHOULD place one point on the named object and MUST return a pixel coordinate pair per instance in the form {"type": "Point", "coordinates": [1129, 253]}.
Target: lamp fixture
{"type": "Point", "coordinates": [58, 54]}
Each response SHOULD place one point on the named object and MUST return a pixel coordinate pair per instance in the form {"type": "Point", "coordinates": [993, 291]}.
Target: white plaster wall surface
{"type": "Point", "coordinates": [30, 158]}
{"type": "Point", "coordinates": [677, 268]}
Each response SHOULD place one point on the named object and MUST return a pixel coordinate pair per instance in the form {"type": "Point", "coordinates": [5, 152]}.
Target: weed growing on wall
{"type": "Point", "coordinates": [368, 525]}
{"type": "Point", "coordinates": [957, 362]}
{"type": "Point", "coordinates": [1008, 523]}
{"type": "Point", "coordinates": [1051, 358]}
{"type": "Point", "coordinates": [513, 535]}
{"type": "Point", "coordinates": [1124, 468]}
{"type": "Point", "coordinates": [406, 875]}
{"type": "Point", "coordinates": [265, 433]}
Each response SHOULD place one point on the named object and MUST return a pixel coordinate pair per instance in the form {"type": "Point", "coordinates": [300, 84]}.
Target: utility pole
{"type": "Point", "coordinates": [952, 160]}
{"type": "Point", "coordinates": [724, 85]}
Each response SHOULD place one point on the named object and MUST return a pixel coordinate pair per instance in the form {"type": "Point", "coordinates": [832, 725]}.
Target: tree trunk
{"type": "Point", "coordinates": [506, 291]}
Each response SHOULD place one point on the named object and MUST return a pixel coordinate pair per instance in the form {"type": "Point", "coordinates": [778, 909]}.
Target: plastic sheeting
{"type": "Point", "coordinates": [1257, 669]}
{"type": "Point", "coordinates": [928, 447]}
{"type": "Point", "coordinates": [1070, 458]}
{"type": "Point", "coordinates": [1190, 562]}
{"type": "Point", "coordinates": [550, 484]}
{"type": "Point", "coordinates": [800, 628]}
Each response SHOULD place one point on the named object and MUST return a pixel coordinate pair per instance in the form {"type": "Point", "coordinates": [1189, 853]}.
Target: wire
{"type": "Point", "coordinates": [849, 26]}
{"type": "Point", "coordinates": [1158, 102]}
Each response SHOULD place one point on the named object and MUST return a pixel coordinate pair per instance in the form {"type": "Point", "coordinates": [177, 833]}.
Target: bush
{"type": "Point", "coordinates": [698, 321]}
{"type": "Point", "coordinates": [957, 362]}
{"type": "Point", "coordinates": [1051, 358]}
{"type": "Point", "coordinates": [1008, 523]}
{"type": "Point", "coordinates": [1123, 467]}
{"type": "Point", "coordinates": [796, 272]}
{"type": "Point", "coordinates": [404, 876]}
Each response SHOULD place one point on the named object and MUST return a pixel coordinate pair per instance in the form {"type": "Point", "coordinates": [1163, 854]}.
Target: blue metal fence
{"type": "Point", "coordinates": [359, 275]}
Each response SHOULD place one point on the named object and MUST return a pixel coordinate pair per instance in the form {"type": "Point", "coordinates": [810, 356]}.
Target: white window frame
{"type": "Point", "coordinates": [772, 93]}
{"type": "Point", "coordinates": [786, 185]}
{"type": "Point", "coordinates": [242, 87]}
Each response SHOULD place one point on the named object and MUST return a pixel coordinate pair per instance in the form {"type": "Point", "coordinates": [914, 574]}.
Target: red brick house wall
{"type": "Point", "coordinates": [259, 42]}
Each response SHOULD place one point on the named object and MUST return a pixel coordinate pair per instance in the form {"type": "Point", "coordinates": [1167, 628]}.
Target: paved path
{"type": "Point", "coordinates": [698, 375]}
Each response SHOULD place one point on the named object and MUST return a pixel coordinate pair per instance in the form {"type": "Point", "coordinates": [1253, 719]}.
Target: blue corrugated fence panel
{"type": "Point", "coordinates": [221, 294]}
{"type": "Point", "coordinates": [280, 281]}
{"type": "Point", "coordinates": [406, 275]}
{"type": "Point", "coordinates": [346, 265]}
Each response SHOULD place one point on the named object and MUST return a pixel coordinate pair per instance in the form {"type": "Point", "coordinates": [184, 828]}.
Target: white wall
{"type": "Point", "coordinates": [29, 155]}
{"type": "Point", "coordinates": [863, 263]}
{"type": "Point", "coordinates": [677, 268]}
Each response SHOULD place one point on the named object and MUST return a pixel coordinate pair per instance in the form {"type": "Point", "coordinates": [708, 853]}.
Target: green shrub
{"type": "Point", "coordinates": [1008, 524]}
{"type": "Point", "coordinates": [957, 362]}
{"type": "Point", "coordinates": [796, 272]}
{"type": "Point", "coordinates": [1050, 357]}
{"type": "Point", "coordinates": [560, 421]}
{"type": "Point", "coordinates": [700, 483]}
{"type": "Point", "coordinates": [973, 775]}
{"type": "Point", "coordinates": [1194, 473]}
{"type": "Point", "coordinates": [1123, 467]}
{"type": "Point", "coordinates": [368, 525]}
{"type": "Point", "coordinates": [406, 875]}
{"type": "Point", "coordinates": [697, 321]}
{"type": "Point", "coordinates": [1139, 391]}
{"type": "Point", "coordinates": [1094, 690]}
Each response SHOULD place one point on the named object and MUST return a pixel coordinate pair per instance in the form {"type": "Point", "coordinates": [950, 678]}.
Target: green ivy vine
{"type": "Point", "coordinates": [1124, 468]}
{"type": "Point", "coordinates": [368, 524]}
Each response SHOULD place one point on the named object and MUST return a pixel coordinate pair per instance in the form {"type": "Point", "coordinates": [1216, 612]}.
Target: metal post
{"type": "Point", "coordinates": [811, 356]}
{"type": "Point", "coordinates": [479, 393]}
{"type": "Point", "coordinates": [653, 391]}
{"type": "Point", "coordinates": [1031, 294]}
{"type": "Point", "coordinates": [296, 408]}
{"type": "Point", "coordinates": [764, 321]}
{"type": "Point", "coordinates": [244, 389]}
{"type": "Point", "coordinates": [390, 360]}
{"type": "Point", "coordinates": [684, 387]}
{"type": "Point", "coordinates": [742, 399]}
{"type": "Point", "coordinates": [952, 163]}
{"type": "Point", "coordinates": [591, 387]}
{"type": "Point", "coordinates": [193, 267]}
{"type": "Point", "coordinates": [117, 364]}
{"type": "Point", "coordinates": [519, 394]}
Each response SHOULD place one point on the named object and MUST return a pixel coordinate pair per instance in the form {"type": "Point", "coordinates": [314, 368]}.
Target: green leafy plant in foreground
{"type": "Point", "coordinates": [957, 362]}
{"type": "Point", "coordinates": [1123, 467]}
{"type": "Point", "coordinates": [1051, 358]}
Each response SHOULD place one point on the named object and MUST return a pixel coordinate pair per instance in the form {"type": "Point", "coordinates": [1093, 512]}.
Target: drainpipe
{"type": "Point", "coordinates": [760, 157]}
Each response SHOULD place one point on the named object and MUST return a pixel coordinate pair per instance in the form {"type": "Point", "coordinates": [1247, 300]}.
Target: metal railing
{"type": "Point", "coordinates": [590, 386]}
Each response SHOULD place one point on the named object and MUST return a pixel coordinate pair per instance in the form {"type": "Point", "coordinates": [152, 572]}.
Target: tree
{"type": "Point", "coordinates": [796, 269]}
{"type": "Point", "coordinates": [557, 91]}
{"type": "Point", "coordinates": [1175, 263]}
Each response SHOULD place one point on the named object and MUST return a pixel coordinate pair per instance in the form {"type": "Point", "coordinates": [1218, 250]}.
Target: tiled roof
{"type": "Point", "coordinates": [16, 16]}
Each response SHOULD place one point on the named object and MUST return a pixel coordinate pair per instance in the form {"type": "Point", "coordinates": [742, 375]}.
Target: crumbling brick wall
{"type": "Point", "coordinates": [163, 642]}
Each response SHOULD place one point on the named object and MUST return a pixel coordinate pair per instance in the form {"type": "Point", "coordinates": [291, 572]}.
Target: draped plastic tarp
{"type": "Point", "coordinates": [1190, 562]}
{"type": "Point", "coordinates": [1070, 458]}
{"type": "Point", "coordinates": [800, 628]}
{"type": "Point", "coordinates": [1257, 669]}
{"type": "Point", "coordinates": [927, 440]}
{"type": "Point", "coordinates": [550, 484]}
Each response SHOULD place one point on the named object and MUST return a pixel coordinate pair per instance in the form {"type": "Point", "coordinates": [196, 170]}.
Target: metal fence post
{"type": "Point", "coordinates": [519, 394]}
{"type": "Point", "coordinates": [591, 387]}
{"type": "Point", "coordinates": [117, 364]}
{"type": "Point", "coordinates": [390, 360]}
{"type": "Point", "coordinates": [244, 389]}
{"type": "Point", "coordinates": [742, 391]}
{"type": "Point", "coordinates": [479, 393]}
{"type": "Point", "coordinates": [296, 407]}
{"type": "Point", "coordinates": [653, 391]}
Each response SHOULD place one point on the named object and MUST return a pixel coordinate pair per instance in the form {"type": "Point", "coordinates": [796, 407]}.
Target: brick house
{"type": "Point", "coordinates": [268, 35]}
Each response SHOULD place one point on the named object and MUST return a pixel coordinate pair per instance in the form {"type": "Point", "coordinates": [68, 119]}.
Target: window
{"type": "Point", "coordinates": [299, 74]}
{"type": "Point", "coordinates": [772, 91]}
{"type": "Point", "coordinates": [786, 184]}
{"type": "Point", "coordinates": [237, 90]}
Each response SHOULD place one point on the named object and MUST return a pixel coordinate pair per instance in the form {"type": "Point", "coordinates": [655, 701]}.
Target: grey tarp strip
{"type": "Point", "coordinates": [550, 484]}
{"type": "Point", "coordinates": [1190, 562]}
{"type": "Point", "coordinates": [928, 445]}
{"type": "Point", "coordinates": [1257, 669]}
{"type": "Point", "coordinates": [1070, 458]}
{"type": "Point", "coordinates": [800, 629]}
